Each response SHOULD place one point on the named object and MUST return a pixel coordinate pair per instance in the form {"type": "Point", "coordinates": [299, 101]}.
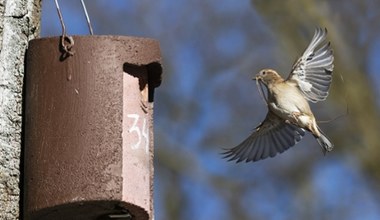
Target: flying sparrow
{"type": "Point", "coordinates": [289, 114]}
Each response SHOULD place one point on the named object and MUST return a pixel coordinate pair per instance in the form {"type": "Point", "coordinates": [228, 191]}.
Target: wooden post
{"type": "Point", "coordinates": [88, 128]}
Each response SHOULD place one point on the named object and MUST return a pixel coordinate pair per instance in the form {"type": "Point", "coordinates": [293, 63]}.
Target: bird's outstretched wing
{"type": "Point", "coordinates": [272, 136]}
{"type": "Point", "coordinates": [313, 70]}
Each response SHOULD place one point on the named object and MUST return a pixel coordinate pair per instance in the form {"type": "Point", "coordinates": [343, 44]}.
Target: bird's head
{"type": "Point", "coordinates": [268, 76]}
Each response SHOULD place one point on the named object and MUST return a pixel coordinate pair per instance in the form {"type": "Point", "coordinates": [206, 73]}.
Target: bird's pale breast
{"type": "Point", "coordinates": [286, 99]}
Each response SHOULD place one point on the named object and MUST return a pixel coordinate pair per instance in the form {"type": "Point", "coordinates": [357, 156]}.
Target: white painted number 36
{"type": "Point", "coordinates": [142, 134]}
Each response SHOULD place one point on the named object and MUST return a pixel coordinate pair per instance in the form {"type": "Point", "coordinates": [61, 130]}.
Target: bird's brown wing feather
{"type": "Point", "coordinates": [272, 136]}
{"type": "Point", "coordinates": [313, 70]}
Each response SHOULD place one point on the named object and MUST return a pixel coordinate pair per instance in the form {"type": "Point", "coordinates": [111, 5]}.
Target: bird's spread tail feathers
{"type": "Point", "coordinates": [325, 143]}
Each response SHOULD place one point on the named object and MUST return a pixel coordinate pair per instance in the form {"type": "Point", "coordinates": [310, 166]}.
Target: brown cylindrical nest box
{"type": "Point", "coordinates": [88, 136]}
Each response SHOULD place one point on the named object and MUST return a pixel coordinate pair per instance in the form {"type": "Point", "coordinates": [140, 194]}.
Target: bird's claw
{"type": "Point", "coordinates": [296, 115]}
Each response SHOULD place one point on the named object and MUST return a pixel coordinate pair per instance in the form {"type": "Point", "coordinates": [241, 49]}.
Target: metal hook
{"type": "Point", "coordinates": [65, 38]}
{"type": "Point", "coordinates": [87, 17]}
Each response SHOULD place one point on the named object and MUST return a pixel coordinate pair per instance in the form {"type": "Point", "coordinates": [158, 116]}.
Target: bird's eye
{"type": "Point", "coordinates": [264, 73]}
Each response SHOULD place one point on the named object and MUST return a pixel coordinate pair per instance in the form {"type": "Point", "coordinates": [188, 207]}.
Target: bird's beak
{"type": "Point", "coordinates": [257, 77]}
